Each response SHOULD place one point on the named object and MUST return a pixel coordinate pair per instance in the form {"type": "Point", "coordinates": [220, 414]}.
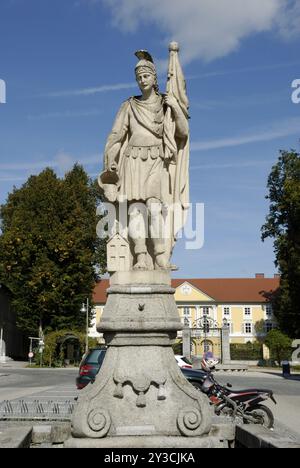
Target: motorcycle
{"type": "Point", "coordinates": [243, 405]}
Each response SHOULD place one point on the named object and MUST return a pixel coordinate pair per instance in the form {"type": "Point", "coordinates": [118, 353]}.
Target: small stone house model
{"type": "Point", "coordinates": [118, 254]}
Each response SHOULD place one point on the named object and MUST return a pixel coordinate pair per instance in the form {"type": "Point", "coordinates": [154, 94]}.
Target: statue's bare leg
{"type": "Point", "coordinates": [137, 232]}
{"type": "Point", "coordinates": [156, 229]}
{"type": "Point", "coordinates": [141, 263]}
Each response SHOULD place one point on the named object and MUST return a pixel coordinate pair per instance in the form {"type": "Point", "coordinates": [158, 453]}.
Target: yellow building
{"type": "Point", "coordinates": [205, 305]}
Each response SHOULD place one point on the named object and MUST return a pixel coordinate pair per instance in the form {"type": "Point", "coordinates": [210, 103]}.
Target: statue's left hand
{"type": "Point", "coordinates": [171, 101]}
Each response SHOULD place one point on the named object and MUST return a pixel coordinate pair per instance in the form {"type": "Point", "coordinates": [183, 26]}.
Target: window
{"type": "Point", "coordinates": [248, 328]}
{"type": "Point", "coordinates": [247, 311]}
{"type": "Point", "coordinates": [226, 312]}
{"type": "Point", "coordinates": [186, 311]}
{"type": "Point", "coordinates": [268, 327]}
{"type": "Point", "coordinates": [186, 289]}
{"type": "Point", "coordinates": [269, 311]}
{"type": "Point", "coordinates": [205, 310]}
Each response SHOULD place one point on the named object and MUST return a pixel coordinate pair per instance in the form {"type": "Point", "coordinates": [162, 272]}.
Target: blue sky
{"type": "Point", "coordinates": [69, 64]}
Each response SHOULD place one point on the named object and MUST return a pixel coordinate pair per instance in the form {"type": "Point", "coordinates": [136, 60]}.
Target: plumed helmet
{"type": "Point", "coordinates": [145, 61]}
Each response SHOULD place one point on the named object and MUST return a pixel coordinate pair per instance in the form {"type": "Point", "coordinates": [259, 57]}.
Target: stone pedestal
{"type": "Point", "coordinates": [140, 394]}
{"type": "Point", "coordinates": [226, 359]}
{"type": "Point", "coordinates": [186, 342]}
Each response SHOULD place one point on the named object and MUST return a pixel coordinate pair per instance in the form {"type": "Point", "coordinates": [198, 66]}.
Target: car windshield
{"type": "Point", "coordinates": [184, 359]}
{"type": "Point", "coordinates": [95, 356]}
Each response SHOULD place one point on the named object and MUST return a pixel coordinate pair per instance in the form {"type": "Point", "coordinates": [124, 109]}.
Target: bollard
{"type": "Point", "coordinates": [286, 369]}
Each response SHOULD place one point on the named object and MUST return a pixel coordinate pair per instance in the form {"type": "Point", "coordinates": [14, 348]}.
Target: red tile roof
{"type": "Point", "coordinates": [224, 290]}
{"type": "Point", "coordinates": [234, 289]}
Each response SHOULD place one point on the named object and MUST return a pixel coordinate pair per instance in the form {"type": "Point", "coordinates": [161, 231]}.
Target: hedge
{"type": "Point", "coordinates": [246, 351]}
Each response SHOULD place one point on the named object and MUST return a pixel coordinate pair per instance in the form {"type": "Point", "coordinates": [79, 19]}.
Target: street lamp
{"type": "Point", "coordinates": [2, 348]}
{"type": "Point", "coordinates": [225, 322]}
{"type": "Point", "coordinates": [186, 322]}
{"type": "Point", "coordinates": [85, 309]}
{"type": "Point", "coordinates": [2, 345]}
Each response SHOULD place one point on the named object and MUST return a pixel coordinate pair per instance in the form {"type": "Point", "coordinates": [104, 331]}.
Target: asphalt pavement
{"type": "Point", "coordinates": [37, 383]}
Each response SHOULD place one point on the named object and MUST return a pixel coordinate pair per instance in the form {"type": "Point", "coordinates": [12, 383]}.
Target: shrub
{"type": "Point", "coordinates": [54, 351]}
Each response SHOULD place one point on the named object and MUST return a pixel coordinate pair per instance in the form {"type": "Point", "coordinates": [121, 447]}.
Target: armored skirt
{"type": "Point", "coordinates": [143, 174]}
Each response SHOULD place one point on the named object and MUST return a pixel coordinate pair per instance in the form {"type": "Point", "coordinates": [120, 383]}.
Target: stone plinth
{"type": "Point", "coordinates": [162, 442]}
{"type": "Point", "coordinates": [140, 390]}
{"type": "Point", "coordinates": [226, 345]}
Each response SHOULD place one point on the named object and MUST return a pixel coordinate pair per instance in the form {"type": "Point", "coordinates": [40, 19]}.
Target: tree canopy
{"type": "Point", "coordinates": [49, 250]}
{"type": "Point", "coordinates": [279, 345]}
{"type": "Point", "coordinates": [283, 224]}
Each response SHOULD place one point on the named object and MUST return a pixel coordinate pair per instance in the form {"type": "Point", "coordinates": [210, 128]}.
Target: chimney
{"type": "Point", "coordinates": [259, 275]}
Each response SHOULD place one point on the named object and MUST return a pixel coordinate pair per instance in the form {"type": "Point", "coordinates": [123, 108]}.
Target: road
{"type": "Point", "coordinates": [59, 384]}
{"type": "Point", "coordinates": [37, 383]}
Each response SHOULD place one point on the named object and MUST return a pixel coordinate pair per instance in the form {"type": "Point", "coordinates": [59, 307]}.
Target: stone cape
{"type": "Point", "coordinates": [142, 171]}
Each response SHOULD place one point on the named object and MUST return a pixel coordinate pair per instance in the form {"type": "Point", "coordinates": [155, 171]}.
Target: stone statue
{"type": "Point", "coordinates": [140, 397]}
{"type": "Point", "coordinates": [146, 163]}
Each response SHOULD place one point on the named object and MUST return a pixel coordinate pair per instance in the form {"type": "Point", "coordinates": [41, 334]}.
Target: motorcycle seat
{"type": "Point", "coordinates": [249, 390]}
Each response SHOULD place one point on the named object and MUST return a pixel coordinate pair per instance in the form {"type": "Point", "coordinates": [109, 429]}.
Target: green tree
{"type": "Point", "coordinates": [283, 224]}
{"type": "Point", "coordinates": [260, 327]}
{"type": "Point", "coordinates": [49, 251]}
{"type": "Point", "coordinates": [279, 345]}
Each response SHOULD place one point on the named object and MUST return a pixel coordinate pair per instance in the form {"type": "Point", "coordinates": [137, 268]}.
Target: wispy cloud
{"type": "Point", "coordinates": [65, 114]}
{"type": "Point", "coordinates": [12, 179]}
{"type": "Point", "coordinates": [61, 161]}
{"type": "Point", "coordinates": [232, 165]}
{"type": "Point", "coordinates": [277, 130]}
{"type": "Point", "coordinates": [233, 71]}
{"type": "Point", "coordinates": [238, 101]}
{"type": "Point", "coordinates": [161, 66]}
{"type": "Point", "coordinates": [24, 166]}
{"type": "Point", "coordinates": [90, 91]}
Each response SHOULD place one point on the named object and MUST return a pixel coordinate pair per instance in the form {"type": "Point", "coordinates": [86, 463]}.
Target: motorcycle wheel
{"type": "Point", "coordinates": [262, 415]}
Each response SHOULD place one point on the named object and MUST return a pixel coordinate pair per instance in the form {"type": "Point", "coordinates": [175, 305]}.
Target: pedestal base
{"type": "Point", "coordinates": [140, 395]}
{"type": "Point", "coordinates": [146, 442]}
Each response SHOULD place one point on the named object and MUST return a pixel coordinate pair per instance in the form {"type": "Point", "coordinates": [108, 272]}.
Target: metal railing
{"type": "Point", "coordinates": [36, 410]}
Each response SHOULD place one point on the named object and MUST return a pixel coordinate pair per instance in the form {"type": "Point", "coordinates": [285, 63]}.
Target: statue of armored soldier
{"type": "Point", "coordinates": [146, 162]}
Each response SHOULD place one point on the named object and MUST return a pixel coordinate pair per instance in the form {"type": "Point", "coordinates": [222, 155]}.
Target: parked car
{"type": "Point", "coordinates": [92, 361]}
{"type": "Point", "coordinates": [90, 366]}
{"type": "Point", "coordinates": [183, 362]}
